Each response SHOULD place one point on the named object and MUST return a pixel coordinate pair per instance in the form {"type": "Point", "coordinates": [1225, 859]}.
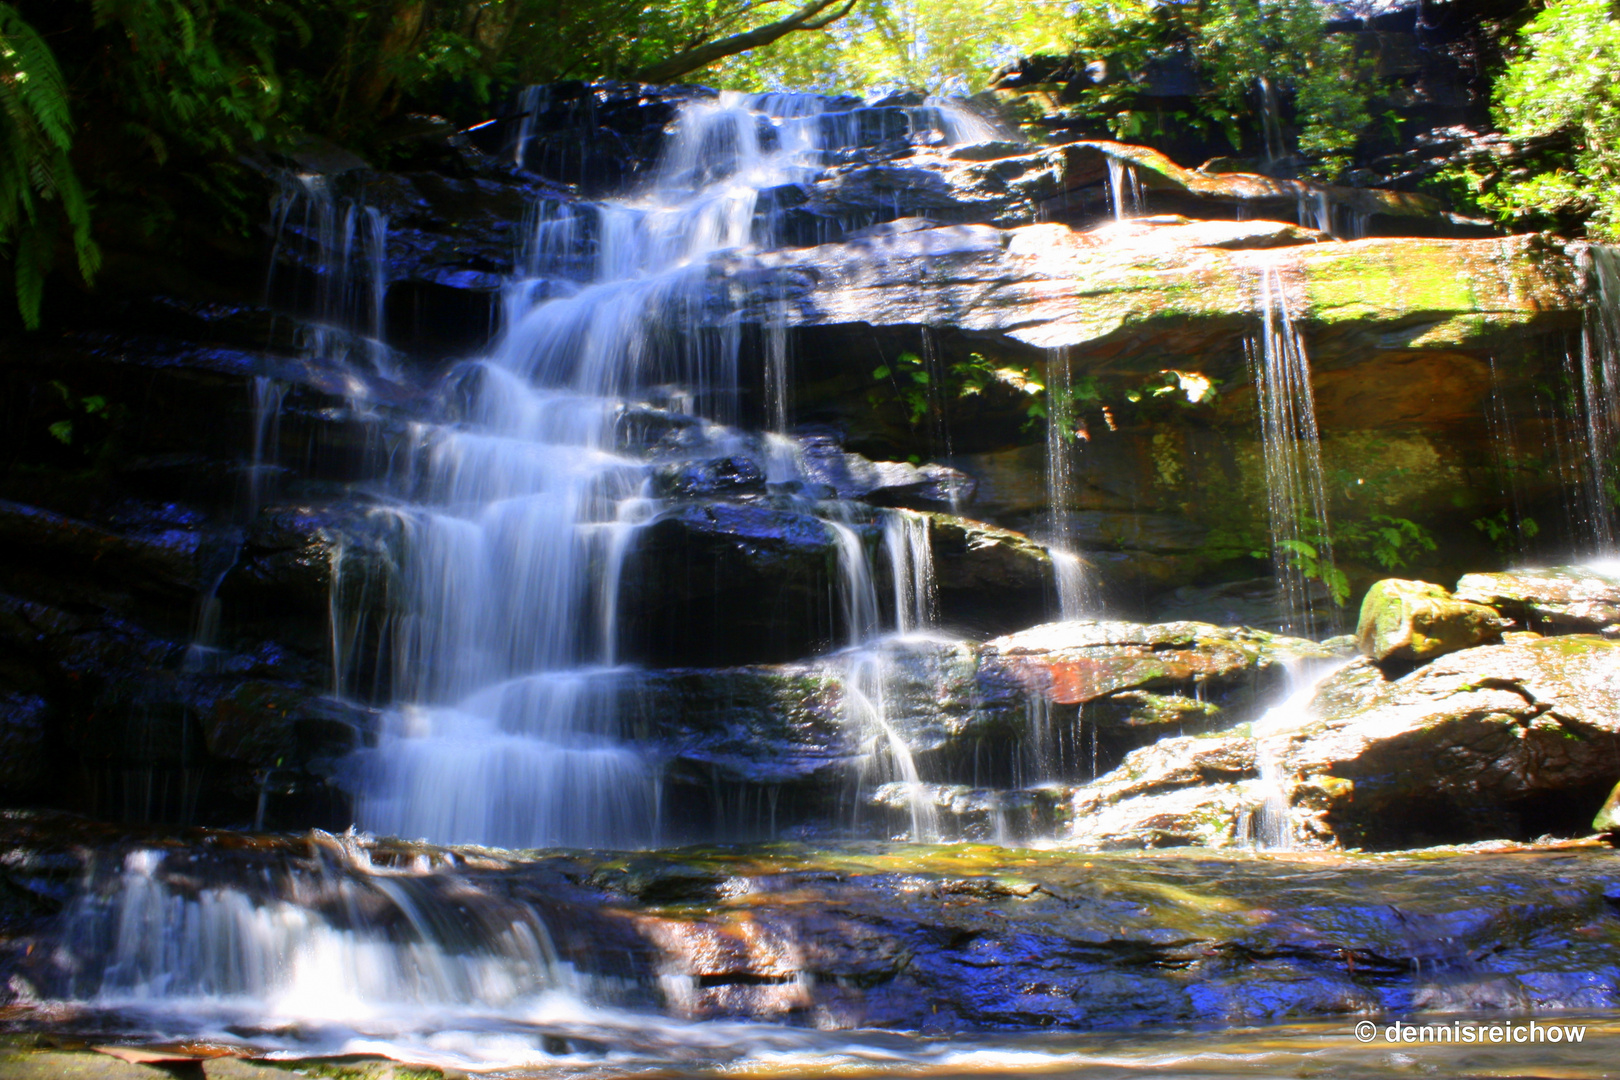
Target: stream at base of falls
{"type": "Point", "coordinates": [862, 958]}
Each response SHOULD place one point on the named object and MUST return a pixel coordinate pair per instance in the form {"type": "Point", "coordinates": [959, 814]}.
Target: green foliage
{"type": "Point", "coordinates": [1505, 533]}
{"type": "Point", "coordinates": [1563, 80]}
{"type": "Point", "coordinates": [39, 192]}
{"type": "Point", "coordinates": [911, 383]}
{"type": "Point", "coordinates": [1254, 48]}
{"type": "Point", "coordinates": [197, 71]}
{"type": "Point", "coordinates": [936, 46]}
{"type": "Point", "coordinates": [1259, 58]}
{"type": "Point", "coordinates": [171, 96]}
{"type": "Point", "coordinates": [90, 425]}
{"type": "Point", "coordinates": [1314, 564]}
{"type": "Point", "coordinates": [1391, 542]}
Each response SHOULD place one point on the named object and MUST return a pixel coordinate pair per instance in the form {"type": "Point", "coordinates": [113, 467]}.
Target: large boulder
{"type": "Point", "coordinates": [1414, 621]}
{"type": "Point", "coordinates": [1186, 791]}
{"type": "Point", "coordinates": [1111, 688]}
{"type": "Point", "coordinates": [1557, 599]}
{"type": "Point", "coordinates": [1508, 740]}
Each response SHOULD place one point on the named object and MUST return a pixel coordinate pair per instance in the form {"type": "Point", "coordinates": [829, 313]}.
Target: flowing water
{"type": "Point", "coordinates": [1269, 826]}
{"type": "Point", "coordinates": [1599, 403]}
{"type": "Point", "coordinates": [1062, 447]}
{"type": "Point", "coordinates": [475, 960]}
{"type": "Point", "coordinates": [1296, 500]}
{"type": "Point", "coordinates": [518, 505]}
{"type": "Point", "coordinates": [1124, 190]}
{"type": "Point", "coordinates": [345, 248]}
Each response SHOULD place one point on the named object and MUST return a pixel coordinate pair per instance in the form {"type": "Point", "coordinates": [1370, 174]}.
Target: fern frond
{"type": "Point", "coordinates": [27, 65]}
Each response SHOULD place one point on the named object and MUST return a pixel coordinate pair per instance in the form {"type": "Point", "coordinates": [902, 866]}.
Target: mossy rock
{"type": "Point", "coordinates": [1416, 621]}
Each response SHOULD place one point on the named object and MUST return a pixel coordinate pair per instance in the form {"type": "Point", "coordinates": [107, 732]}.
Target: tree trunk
{"type": "Point", "coordinates": [404, 29]}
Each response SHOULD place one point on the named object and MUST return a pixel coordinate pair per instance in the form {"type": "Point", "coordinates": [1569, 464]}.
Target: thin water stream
{"type": "Point", "coordinates": [1290, 444]}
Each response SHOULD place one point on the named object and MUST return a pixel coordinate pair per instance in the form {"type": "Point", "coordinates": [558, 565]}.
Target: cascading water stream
{"type": "Point", "coordinates": [876, 662]}
{"type": "Point", "coordinates": [521, 502]}
{"type": "Point", "coordinates": [1269, 826]}
{"type": "Point", "coordinates": [345, 252]}
{"type": "Point", "coordinates": [1296, 499]}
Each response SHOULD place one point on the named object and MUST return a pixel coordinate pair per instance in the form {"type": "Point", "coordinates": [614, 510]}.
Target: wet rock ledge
{"type": "Point", "coordinates": [935, 939]}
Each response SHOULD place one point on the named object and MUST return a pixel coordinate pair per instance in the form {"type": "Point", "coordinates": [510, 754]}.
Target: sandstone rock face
{"type": "Point", "coordinates": [1414, 621]}
{"type": "Point", "coordinates": [1077, 663]}
{"type": "Point", "coordinates": [1608, 818]}
{"type": "Point", "coordinates": [1128, 289]}
{"type": "Point", "coordinates": [1559, 599]}
{"type": "Point", "coordinates": [1500, 740]}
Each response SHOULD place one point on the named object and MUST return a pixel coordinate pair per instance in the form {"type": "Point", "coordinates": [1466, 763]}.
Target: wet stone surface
{"type": "Point", "coordinates": [954, 938]}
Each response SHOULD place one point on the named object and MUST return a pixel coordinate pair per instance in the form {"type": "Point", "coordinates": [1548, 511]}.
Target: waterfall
{"type": "Point", "coordinates": [1315, 211]}
{"type": "Point", "coordinates": [1270, 121]}
{"type": "Point", "coordinates": [876, 663]}
{"type": "Point", "coordinates": [1124, 189]}
{"type": "Point", "coordinates": [1599, 406]}
{"type": "Point", "coordinates": [341, 244]}
{"type": "Point", "coordinates": [330, 947]}
{"type": "Point", "coordinates": [519, 503]}
{"type": "Point", "coordinates": [1269, 825]}
{"type": "Point", "coordinates": [1060, 449]}
{"type": "Point", "coordinates": [911, 559]}
{"type": "Point", "coordinates": [268, 394]}
{"type": "Point", "coordinates": [1502, 431]}
{"type": "Point", "coordinates": [1296, 500]}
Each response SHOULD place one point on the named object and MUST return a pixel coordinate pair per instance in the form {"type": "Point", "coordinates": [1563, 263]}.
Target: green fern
{"type": "Point", "coordinates": [36, 132]}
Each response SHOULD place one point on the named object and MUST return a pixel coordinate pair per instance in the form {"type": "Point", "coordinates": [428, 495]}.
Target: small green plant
{"type": "Point", "coordinates": [911, 381]}
{"type": "Point", "coordinates": [1391, 542]}
{"type": "Point", "coordinates": [91, 426]}
{"type": "Point", "coordinates": [1504, 533]}
{"type": "Point", "coordinates": [93, 405]}
{"type": "Point", "coordinates": [1314, 565]}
